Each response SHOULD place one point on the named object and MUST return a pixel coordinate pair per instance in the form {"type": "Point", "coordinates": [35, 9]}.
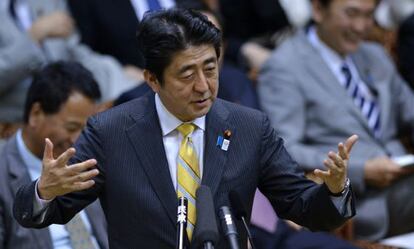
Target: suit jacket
{"type": "Point", "coordinates": [13, 174]}
{"type": "Point", "coordinates": [135, 187]}
{"type": "Point", "coordinates": [312, 111]}
{"type": "Point", "coordinates": [20, 57]}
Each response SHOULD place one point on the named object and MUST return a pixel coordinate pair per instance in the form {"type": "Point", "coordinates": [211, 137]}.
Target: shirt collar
{"type": "Point", "coordinates": [332, 58]}
{"type": "Point", "coordinates": [169, 122]}
{"type": "Point", "coordinates": [32, 162]}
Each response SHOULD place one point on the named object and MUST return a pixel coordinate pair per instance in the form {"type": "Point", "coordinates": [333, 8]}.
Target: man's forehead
{"type": "Point", "coordinates": [194, 54]}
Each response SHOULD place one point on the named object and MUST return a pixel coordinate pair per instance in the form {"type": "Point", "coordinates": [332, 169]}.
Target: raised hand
{"type": "Point", "coordinates": [337, 164]}
{"type": "Point", "coordinates": [58, 178]}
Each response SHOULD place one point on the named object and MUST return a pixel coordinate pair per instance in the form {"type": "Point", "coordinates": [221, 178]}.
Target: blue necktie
{"type": "Point", "coordinates": [153, 5]}
{"type": "Point", "coordinates": [12, 9]}
{"type": "Point", "coordinates": [369, 108]}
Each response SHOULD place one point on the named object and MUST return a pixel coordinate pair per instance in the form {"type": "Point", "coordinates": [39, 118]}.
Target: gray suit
{"type": "Point", "coordinates": [20, 56]}
{"type": "Point", "coordinates": [13, 174]}
{"type": "Point", "coordinates": [312, 111]}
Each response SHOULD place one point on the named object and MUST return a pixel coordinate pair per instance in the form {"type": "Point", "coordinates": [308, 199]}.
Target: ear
{"type": "Point", "coordinates": [317, 11]}
{"type": "Point", "coordinates": [152, 80]}
{"type": "Point", "coordinates": [36, 115]}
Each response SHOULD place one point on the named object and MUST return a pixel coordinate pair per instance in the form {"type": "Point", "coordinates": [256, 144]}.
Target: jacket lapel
{"type": "Point", "coordinates": [146, 138]}
{"type": "Point", "coordinates": [214, 157]}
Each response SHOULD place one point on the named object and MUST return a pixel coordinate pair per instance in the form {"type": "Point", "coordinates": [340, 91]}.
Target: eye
{"type": "Point", "coordinates": [351, 13]}
{"type": "Point", "coordinates": [188, 76]}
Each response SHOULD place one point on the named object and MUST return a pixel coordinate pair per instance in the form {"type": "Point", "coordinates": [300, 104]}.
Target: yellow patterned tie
{"type": "Point", "coordinates": [188, 174]}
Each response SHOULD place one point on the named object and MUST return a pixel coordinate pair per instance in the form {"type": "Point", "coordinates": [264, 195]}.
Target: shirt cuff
{"type": "Point", "coordinates": [40, 205]}
{"type": "Point", "coordinates": [343, 202]}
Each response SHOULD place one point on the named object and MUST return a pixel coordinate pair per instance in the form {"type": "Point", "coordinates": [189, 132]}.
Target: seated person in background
{"type": "Point", "coordinates": [33, 33]}
{"type": "Point", "coordinates": [326, 83]}
{"type": "Point", "coordinates": [60, 99]}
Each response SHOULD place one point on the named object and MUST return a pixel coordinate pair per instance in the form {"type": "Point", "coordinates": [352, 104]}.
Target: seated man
{"type": "Point", "coordinates": [62, 96]}
{"type": "Point", "coordinates": [326, 83]}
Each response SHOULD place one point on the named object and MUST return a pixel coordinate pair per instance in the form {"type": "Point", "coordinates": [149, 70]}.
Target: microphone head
{"type": "Point", "coordinates": [206, 225]}
{"type": "Point", "coordinates": [237, 205]}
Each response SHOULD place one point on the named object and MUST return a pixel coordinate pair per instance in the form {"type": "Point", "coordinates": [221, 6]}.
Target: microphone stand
{"type": "Point", "coordinates": [182, 222]}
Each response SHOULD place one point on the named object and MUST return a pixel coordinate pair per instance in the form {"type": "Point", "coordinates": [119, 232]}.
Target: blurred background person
{"type": "Point", "coordinates": [60, 99]}
{"type": "Point", "coordinates": [33, 33]}
{"type": "Point", "coordinates": [325, 83]}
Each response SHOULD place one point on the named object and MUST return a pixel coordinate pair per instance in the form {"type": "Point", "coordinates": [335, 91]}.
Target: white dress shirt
{"type": "Point", "coordinates": [141, 6]}
{"type": "Point", "coordinates": [172, 138]}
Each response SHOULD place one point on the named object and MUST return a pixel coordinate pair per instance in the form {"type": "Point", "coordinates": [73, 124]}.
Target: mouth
{"type": "Point", "coordinates": [201, 101]}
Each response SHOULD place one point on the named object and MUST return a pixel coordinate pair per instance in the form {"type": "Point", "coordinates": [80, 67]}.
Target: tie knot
{"type": "Point", "coordinates": [186, 129]}
{"type": "Point", "coordinates": [345, 69]}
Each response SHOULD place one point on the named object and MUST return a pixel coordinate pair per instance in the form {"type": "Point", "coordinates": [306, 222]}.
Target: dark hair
{"type": "Point", "coordinates": [52, 86]}
{"type": "Point", "coordinates": [324, 3]}
{"type": "Point", "coordinates": [163, 33]}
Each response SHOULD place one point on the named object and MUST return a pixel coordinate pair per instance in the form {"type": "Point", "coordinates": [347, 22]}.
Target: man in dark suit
{"type": "Point", "coordinates": [60, 99]}
{"type": "Point", "coordinates": [137, 157]}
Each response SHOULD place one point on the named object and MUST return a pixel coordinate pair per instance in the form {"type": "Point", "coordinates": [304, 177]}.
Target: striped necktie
{"type": "Point", "coordinates": [80, 238]}
{"type": "Point", "coordinates": [188, 173]}
{"type": "Point", "coordinates": [153, 5]}
{"type": "Point", "coordinates": [368, 107]}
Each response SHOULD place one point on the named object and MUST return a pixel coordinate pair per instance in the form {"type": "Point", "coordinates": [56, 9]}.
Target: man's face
{"type": "Point", "coordinates": [63, 127]}
{"type": "Point", "coordinates": [190, 82]}
{"type": "Point", "coordinates": [343, 24]}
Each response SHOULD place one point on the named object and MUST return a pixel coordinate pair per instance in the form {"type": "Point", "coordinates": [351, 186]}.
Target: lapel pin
{"type": "Point", "coordinates": [224, 141]}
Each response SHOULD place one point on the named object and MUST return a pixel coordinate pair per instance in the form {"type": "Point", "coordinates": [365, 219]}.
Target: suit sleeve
{"type": "Point", "coordinates": [63, 208]}
{"type": "Point", "coordinates": [292, 195]}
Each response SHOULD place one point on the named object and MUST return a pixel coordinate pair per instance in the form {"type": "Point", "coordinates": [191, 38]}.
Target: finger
{"type": "Point", "coordinates": [331, 165]}
{"type": "Point", "coordinates": [337, 160]}
{"type": "Point", "coordinates": [84, 176]}
{"type": "Point", "coordinates": [349, 143]}
{"type": "Point", "coordinates": [79, 186]}
{"type": "Point", "coordinates": [82, 166]}
{"type": "Point", "coordinates": [342, 151]}
{"type": "Point", "coordinates": [48, 152]}
{"type": "Point", "coordinates": [63, 159]}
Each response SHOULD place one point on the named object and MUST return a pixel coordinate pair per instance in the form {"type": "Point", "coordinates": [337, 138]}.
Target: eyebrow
{"type": "Point", "coordinates": [207, 61]}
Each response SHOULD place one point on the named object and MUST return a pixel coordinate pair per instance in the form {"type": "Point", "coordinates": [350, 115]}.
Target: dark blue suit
{"type": "Point", "coordinates": [135, 186]}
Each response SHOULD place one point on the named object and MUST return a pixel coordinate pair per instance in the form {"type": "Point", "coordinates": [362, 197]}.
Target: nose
{"type": "Point", "coordinates": [201, 84]}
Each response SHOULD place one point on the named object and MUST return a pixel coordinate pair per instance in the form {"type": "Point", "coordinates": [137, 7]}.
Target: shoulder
{"type": "Point", "coordinates": [237, 114]}
{"type": "Point", "coordinates": [125, 113]}
{"type": "Point", "coordinates": [374, 52]}
{"type": "Point", "coordinates": [289, 55]}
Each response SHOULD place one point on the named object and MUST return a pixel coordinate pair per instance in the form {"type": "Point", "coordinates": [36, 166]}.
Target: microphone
{"type": "Point", "coordinates": [240, 212]}
{"type": "Point", "coordinates": [229, 227]}
{"type": "Point", "coordinates": [206, 234]}
{"type": "Point", "coordinates": [181, 222]}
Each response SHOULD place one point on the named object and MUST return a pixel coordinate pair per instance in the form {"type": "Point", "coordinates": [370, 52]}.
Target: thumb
{"type": "Point", "coordinates": [321, 174]}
